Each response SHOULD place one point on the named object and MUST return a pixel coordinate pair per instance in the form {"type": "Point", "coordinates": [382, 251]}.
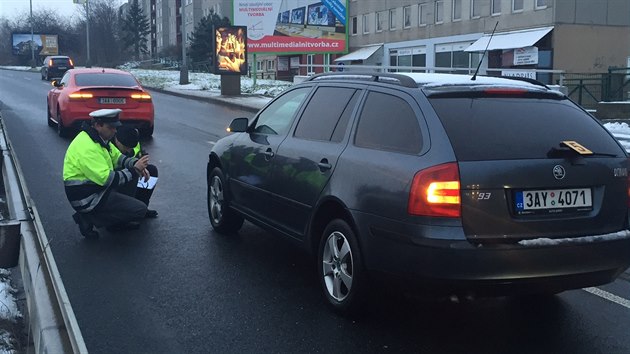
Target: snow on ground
{"type": "Point", "coordinates": [9, 312]}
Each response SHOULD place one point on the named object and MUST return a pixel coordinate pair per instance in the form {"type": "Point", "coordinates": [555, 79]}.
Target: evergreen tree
{"type": "Point", "coordinates": [135, 28]}
{"type": "Point", "coordinates": [202, 37]}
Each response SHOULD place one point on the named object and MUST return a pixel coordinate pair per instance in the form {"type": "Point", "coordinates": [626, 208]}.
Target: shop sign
{"type": "Point", "coordinates": [525, 74]}
{"type": "Point", "coordinates": [526, 56]}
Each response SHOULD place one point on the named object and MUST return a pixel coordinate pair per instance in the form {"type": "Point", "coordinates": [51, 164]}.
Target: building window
{"type": "Point", "coordinates": [407, 17]}
{"type": "Point", "coordinates": [392, 19]}
{"type": "Point", "coordinates": [354, 29]}
{"type": "Point", "coordinates": [496, 7]}
{"type": "Point", "coordinates": [475, 11]}
{"type": "Point", "coordinates": [259, 66]}
{"type": "Point", "coordinates": [326, 62]}
{"type": "Point", "coordinates": [541, 4]}
{"type": "Point", "coordinates": [423, 14]}
{"type": "Point", "coordinates": [439, 12]}
{"type": "Point", "coordinates": [310, 70]}
{"type": "Point", "coordinates": [379, 21]}
{"type": "Point", "coordinates": [271, 65]}
{"type": "Point", "coordinates": [453, 57]}
{"type": "Point", "coordinates": [517, 5]}
{"type": "Point", "coordinates": [408, 57]}
{"type": "Point", "coordinates": [457, 10]}
{"type": "Point", "coordinates": [366, 24]}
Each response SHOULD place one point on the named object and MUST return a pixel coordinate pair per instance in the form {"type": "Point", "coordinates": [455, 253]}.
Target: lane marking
{"type": "Point", "coordinates": [212, 142]}
{"type": "Point", "coordinates": [608, 296]}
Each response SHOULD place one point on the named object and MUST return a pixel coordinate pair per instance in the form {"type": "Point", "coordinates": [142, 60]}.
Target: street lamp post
{"type": "Point", "coordinates": [32, 38]}
{"type": "Point", "coordinates": [183, 73]}
{"type": "Point", "coordinates": [88, 63]}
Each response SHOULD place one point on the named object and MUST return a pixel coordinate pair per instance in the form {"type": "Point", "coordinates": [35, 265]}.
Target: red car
{"type": "Point", "coordinates": [81, 91]}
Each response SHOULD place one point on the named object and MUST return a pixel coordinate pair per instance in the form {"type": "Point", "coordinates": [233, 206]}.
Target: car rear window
{"type": "Point", "coordinates": [61, 61]}
{"type": "Point", "coordinates": [105, 79]}
{"type": "Point", "coordinates": [497, 128]}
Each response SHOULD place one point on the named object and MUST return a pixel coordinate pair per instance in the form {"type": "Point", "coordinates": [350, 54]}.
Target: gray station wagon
{"type": "Point", "coordinates": [475, 184]}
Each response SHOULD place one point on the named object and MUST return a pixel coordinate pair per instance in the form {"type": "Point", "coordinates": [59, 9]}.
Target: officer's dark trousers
{"type": "Point", "coordinates": [117, 209]}
{"type": "Point", "coordinates": [131, 189]}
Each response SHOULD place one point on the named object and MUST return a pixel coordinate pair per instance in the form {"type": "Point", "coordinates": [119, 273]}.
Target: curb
{"type": "Point", "coordinates": [222, 100]}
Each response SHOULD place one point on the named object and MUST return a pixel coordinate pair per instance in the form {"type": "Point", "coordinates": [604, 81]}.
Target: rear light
{"type": "Point", "coordinates": [141, 96]}
{"type": "Point", "coordinates": [80, 95]}
{"type": "Point", "coordinates": [505, 91]}
{"type": "Point", "coordinates": [435, 191]}
{"type": "Point", "coordinates": [50, 63]}
{"type": "Point", "coordinates": [71, 62]}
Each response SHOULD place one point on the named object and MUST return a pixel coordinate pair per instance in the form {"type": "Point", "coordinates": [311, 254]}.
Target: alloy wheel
{"type": "Point", "coordinates": [338, 266]}
{"type": "Point", "coordinates": [216, 200]}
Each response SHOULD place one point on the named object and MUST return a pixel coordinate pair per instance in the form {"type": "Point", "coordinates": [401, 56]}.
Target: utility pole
{"type": "Point", "coordinates": [32, 38]}
{"type": "Point", "coordinates": [88, 63]}
{"type": "Point", "coordinates": [87, 28]}
{"type": "Point", "coordinates": [183, 73]}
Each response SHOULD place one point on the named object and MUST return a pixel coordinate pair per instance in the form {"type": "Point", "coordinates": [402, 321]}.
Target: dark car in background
{"type": "Point", "coordinates": [81, 91]}
{"type": "Point", "coordinates": [55, 66]}
{"type": "Point", "coordinates": [476, 185]}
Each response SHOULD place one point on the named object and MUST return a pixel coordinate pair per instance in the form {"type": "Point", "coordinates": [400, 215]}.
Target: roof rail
{"type": "Point", "coordinates": [403, 80]}
{"type": "Point", "coordinates": [526, 79]}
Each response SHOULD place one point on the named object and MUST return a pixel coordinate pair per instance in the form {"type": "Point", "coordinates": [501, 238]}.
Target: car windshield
{"type": "Point", "coordinates": [105, 79]}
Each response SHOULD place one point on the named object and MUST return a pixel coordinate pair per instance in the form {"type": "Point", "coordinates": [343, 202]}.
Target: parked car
{"type": "Point", "coordinates": [82, 91]}
{"type": "Point", "coordinates": [480, 186]}
{"type": "Point", "coordinates": [55, 66]}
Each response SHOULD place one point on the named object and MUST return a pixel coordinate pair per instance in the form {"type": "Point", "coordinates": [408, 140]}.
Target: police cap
{"type": "Point", "coordinates": [107, 116]}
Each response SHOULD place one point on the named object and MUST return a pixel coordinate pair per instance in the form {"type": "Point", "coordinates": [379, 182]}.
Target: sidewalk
{"type": "Point", "coordinates": [248, 102]}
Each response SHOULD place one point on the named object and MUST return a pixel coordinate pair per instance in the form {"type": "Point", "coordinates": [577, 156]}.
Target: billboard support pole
{"type": "Point", "coordinates": [183, 73]}
{"type": "Point", "coordinates": [255, 66]}
{"type": "Point", "coordinates": [32, 41]}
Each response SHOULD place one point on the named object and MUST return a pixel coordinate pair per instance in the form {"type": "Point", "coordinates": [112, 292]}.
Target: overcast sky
{"type": "Point", "coordinates": [66, 8]}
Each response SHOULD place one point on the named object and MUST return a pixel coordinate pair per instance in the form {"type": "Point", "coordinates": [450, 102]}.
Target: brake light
{"type": "Point", "coordinates": [71, 62]}
{"type": "Point", "coordinates": [435, 191]}
{"type": "Point", "coordinates": [50, 62]}
{"type": "Point", "coordinates": [141, 96]}
{"type": "Point", "coordinates": [80, 95]}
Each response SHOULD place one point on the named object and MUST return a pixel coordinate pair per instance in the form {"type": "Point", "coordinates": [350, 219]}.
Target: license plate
{"type": "Point", "coordinates": [62, 68]}
{"type": "Point", "coordinates": [112, 100]}
{"type": "Point", "coordinates": [553, 201]}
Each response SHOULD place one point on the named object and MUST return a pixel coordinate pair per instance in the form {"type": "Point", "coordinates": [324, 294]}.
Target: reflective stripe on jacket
{"type": "Point", "coordinates": [91, 168]}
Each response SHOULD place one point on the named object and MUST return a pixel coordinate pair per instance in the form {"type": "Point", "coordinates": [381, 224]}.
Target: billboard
{"type": "Point", "coordinates": [45, 44]}
{"type": "Point", "coordinates": [230, 50]}
{"type": "Point", "coordinates": [293, 26]}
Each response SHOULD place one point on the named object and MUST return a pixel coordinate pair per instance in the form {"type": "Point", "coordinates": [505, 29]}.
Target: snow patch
{"type": "Point", "coordinates": [621, 235]}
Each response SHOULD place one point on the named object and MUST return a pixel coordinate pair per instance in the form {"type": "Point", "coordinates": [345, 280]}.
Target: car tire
{"type": "Point", "coordinates": [47, 78]}
{"type": "Point", "coordinates": [62, 131]}
{"type": "Point", "coordinates": [148, 132]}
{"type": "Point", "coordinates": [340, 268]}
{"type": "Point", "coordinates": [51, 123]}
{"type": "Point", "coordinates": [223, 219]}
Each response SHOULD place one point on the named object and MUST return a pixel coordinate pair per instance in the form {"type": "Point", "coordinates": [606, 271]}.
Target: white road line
{"type": "Point", "coordinates": [212, 142]}
{"type": "Point", "coordinates": [608, 296]}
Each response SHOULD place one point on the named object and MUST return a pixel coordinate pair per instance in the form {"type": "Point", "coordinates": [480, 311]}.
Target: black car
{"type": "Point", "coordinates": [55, 66]}
{"type": "Point", "coordinates": [473, 184]}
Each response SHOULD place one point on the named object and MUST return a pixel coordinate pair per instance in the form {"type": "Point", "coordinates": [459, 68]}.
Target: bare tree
{"type": "Point", "coordinates": [104, 42]}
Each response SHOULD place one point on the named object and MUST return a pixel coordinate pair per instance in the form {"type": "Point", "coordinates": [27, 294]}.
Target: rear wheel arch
{"type": "Point", "coordinates": [327, 211]}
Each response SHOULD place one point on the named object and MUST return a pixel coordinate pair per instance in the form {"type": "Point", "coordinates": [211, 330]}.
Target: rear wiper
{"type": "Point", "coordinates": [555, 152]}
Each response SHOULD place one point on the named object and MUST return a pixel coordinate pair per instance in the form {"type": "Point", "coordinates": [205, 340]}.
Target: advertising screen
{"type": "Point", "coordinates": [297, 16]}
{"type": "Point", "coordinates": [285, 17]}
{"type": "Point", "coordinates": [230, 49]}
{"type": "Point", "coordinates": [320, 15]}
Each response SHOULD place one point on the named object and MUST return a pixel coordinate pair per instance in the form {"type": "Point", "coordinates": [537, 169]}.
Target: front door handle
{"type": "Point", "coordinates": [324, 165]}
{"type": "Point", "coordinates": [268, 154]}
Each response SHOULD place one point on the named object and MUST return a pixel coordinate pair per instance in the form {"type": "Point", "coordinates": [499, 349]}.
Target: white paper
{"type": "Point", "coordinates": [150, 184]}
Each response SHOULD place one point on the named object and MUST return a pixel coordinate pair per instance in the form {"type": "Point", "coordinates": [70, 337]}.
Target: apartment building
{"type": "Point", "coordinates": [449, 35]}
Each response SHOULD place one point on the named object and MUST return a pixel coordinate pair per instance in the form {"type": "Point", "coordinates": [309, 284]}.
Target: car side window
{"type": "Point", "coordinates": [276, 119]}
{"type": "Point", "coordinates": [388, 122]}
{"type": "Point", "coordinates": [65, 79]}
{"type": "Point", "coordinates": [327, 113]}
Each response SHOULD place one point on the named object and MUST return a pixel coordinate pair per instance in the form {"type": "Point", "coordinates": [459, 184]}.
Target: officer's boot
{"type": "Point", "coordinates": [85, 227]}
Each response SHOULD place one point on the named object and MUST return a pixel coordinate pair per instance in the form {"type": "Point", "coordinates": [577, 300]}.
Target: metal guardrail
{"type": "Point", "coordinates": [51, 319]}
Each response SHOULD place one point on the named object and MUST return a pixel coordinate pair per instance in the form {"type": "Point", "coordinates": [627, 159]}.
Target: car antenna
{"type": "Point", "coordinates": [474, 77]}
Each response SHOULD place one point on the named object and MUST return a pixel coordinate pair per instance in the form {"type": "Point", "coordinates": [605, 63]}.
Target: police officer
{"type": "Point", "coordinates": [127, 140]}
{"type": "Point", "coordinates": [93, 169]}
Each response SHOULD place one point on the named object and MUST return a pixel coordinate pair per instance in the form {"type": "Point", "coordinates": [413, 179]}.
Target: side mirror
{"type": "Point", "coordinates": [238, 125]}
{"type": "Point", "coordinates": [56, 83]}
